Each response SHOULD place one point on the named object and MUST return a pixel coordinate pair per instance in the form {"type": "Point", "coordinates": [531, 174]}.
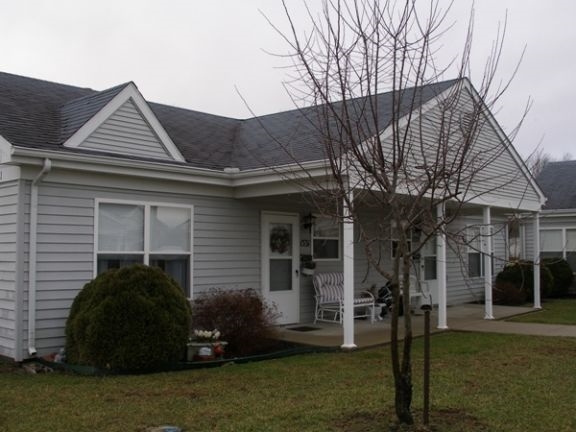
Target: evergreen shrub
{"type": "Point", "coordinates": [563, 276]}
{"type": "Point", "coordinates": [133, 318]}
{"type": "Point", "coordinates": [515, 283]}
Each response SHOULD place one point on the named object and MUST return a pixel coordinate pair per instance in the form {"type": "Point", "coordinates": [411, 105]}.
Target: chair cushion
{"type": "Point", "coordinates": [331, 292]}
{"type": "Point", "coordinates": [363, 300]}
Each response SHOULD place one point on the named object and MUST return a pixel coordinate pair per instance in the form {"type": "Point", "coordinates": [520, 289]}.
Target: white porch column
{"type": "Point", "coordinates": [441, 270]}
{"type": "Point", "coordinates": [487, 257]}
{"type": "Point", "coordinates": [348, 270]}
{"type": "Point", "coordinates": [537, 303]}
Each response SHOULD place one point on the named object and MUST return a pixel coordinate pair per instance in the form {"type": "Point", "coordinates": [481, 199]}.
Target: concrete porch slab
{"type": "Point", "coordinates": [467, 317]}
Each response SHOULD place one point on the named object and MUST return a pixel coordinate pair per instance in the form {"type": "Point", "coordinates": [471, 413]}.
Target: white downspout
{"type": "Point", "coordinates": [32, 256]}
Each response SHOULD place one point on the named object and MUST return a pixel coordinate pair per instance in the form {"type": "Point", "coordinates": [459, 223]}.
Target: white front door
{"type": "Point", "coordinates": [281, 264]}
{"type": "Point", "coordinates": [428, 272]}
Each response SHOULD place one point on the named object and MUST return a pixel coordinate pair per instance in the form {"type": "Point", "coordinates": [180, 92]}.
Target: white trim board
{"type": "Point", "coordinates": [129, 92]}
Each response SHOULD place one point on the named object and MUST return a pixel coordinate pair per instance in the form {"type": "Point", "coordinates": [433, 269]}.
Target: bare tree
{"type": "Point", "coordinates": [537, 161]}
{"type": "Point", "coordinates": [419, 174]}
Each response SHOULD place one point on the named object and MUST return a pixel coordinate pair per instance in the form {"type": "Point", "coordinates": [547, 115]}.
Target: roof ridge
{"type": "Point", "coordinates": [42, 80]}
{"type": "Point", "coordinates": [357, 98]}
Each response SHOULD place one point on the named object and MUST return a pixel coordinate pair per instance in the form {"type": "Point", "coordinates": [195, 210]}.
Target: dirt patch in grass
{"type": "Point", "coordinates": [441, 420]}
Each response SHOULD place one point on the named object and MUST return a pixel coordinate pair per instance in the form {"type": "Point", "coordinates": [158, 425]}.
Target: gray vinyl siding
{"type": "Point", "coordinates": [9, 193]}
{"type": "Point", "coordinates": [226, 248]}
{"type": "Point", "coordinates": [499, 245]}
{"type": "Point", "coordinates": [127, 132]}
{"type": "Point", "coordinates": [503, 178]}
{"type": "Point", "coordinates": [528, 227]}
{"type": "Point", "coordinates": [547, 221]}
{"type": "Point", "coordinates": [460, 287]}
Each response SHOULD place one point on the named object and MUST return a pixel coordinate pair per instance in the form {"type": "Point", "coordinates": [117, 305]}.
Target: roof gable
{"type": "Point", "coordinates": [127, 132]}
{"type": "Point", "coordinates": [121, 110]}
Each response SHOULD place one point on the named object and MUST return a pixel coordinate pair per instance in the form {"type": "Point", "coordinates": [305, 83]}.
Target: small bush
{"type": "Point", "coordinates": [245, 321]}
{"type": "Point", "coordinates": [546, 282]}
{"type": "Point", "coordinates": [133, 318]}
{"type": "Point", "coordinates": [509, 294]}
{"type": "Point", "coordinates": [516, 281]}
{"type": "Point", "coordinates": [562, 273]}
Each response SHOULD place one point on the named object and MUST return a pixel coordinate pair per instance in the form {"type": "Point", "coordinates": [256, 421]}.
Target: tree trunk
{"type": "Point", "coordinates": [403, 400]}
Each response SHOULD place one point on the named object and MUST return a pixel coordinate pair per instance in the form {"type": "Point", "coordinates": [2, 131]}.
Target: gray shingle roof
{"type": "Point", "coordinates": [558, 182]}
{"type": "Point", "coordinates": [77, 112]}
{"type": "Point", "coordinates": [42, 114]}
{"type": "Point", "coordinates": [285, 137]}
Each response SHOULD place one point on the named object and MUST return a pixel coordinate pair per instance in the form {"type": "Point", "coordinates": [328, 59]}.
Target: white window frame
{"type": "Point", "coordinates": [475, 236]}
{"type": "Point", "coordinates": [563, 250]}
{"type": "Point", "coordinates": [146, 252]}
{"type": "Point", "coordinates": [338, 238]}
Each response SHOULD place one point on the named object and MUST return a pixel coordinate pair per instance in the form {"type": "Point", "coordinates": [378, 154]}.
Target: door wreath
{"type": "Point", "coordinates": [279, 239]}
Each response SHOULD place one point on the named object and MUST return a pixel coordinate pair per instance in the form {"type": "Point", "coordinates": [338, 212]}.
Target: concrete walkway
{"type": "Point", "coordinates": [468, 317]}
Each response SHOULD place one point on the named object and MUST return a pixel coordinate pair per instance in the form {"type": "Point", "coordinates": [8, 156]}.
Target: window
{"type": "Point", "coordinates": [571, 248]}
{"type": "Point", "coordinates": [551, 244]}
{"type": "Point", "coordinates": [559, 243]}
{"type": "Point", "coordinates": [156, 235]}
{"type": "Point", "coordinates": [326, 239]}
{"type": "Point", "coordinates": [475, 261]}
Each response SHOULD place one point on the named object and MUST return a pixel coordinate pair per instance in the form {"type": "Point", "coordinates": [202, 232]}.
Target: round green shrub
{"type": "Point", "coordinates": [516, 281]}
{"type": "Point", "coordinates": [562, 273]}
{"type": "Point", "coordinates": [133, 318]}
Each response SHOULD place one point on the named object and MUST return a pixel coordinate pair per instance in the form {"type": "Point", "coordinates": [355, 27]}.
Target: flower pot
{"type": "Point", "coordinates": [205, 351]}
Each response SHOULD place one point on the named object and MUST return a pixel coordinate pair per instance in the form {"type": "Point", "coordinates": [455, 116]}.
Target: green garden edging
{"type": "Point", "coordinates": [180, 366]}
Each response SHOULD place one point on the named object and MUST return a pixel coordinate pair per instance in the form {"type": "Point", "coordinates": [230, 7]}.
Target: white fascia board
{"type": "Point", "coordinates": [509, 204]}
{"type": "Point", "coordinates": [6, 150]}
{"type": "Point", "coordinates": [487, 200]}
{"type": "Point", "coordinates": [278, 174]}
{"type": "Point", "coordinates": [118, 166]}
{"type": "Point", "coordinates": [506, 141]}
{"type": "Point", "coordinates": [158, 170]}
{"type": "Point", "coordinates": [9, 173]}
{"type": "Point", "coordinates": [558, 213]}
{"type": "Point", "coordinates": [129, 92]}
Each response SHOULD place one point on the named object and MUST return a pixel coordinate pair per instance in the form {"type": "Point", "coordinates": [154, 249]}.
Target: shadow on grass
{"type": "Point", "coordinates": [441, 420]}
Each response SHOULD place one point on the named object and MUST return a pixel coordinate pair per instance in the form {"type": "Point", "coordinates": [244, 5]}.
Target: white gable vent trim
{"type": "Point", "coordinates": [129, 93]}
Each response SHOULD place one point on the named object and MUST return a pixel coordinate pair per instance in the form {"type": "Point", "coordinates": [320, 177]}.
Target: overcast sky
{"type": "Point", "coordinates": [195, 53]}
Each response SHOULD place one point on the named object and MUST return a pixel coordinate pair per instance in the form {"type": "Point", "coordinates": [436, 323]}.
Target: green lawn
{"type": "Point", "coordinates": [480, 382]}
{"type": "Point", "coordinates": [554, 311]}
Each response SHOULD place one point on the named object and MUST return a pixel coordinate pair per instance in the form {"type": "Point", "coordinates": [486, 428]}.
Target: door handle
{"type": "Point", "coordinates": [297, 272]}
